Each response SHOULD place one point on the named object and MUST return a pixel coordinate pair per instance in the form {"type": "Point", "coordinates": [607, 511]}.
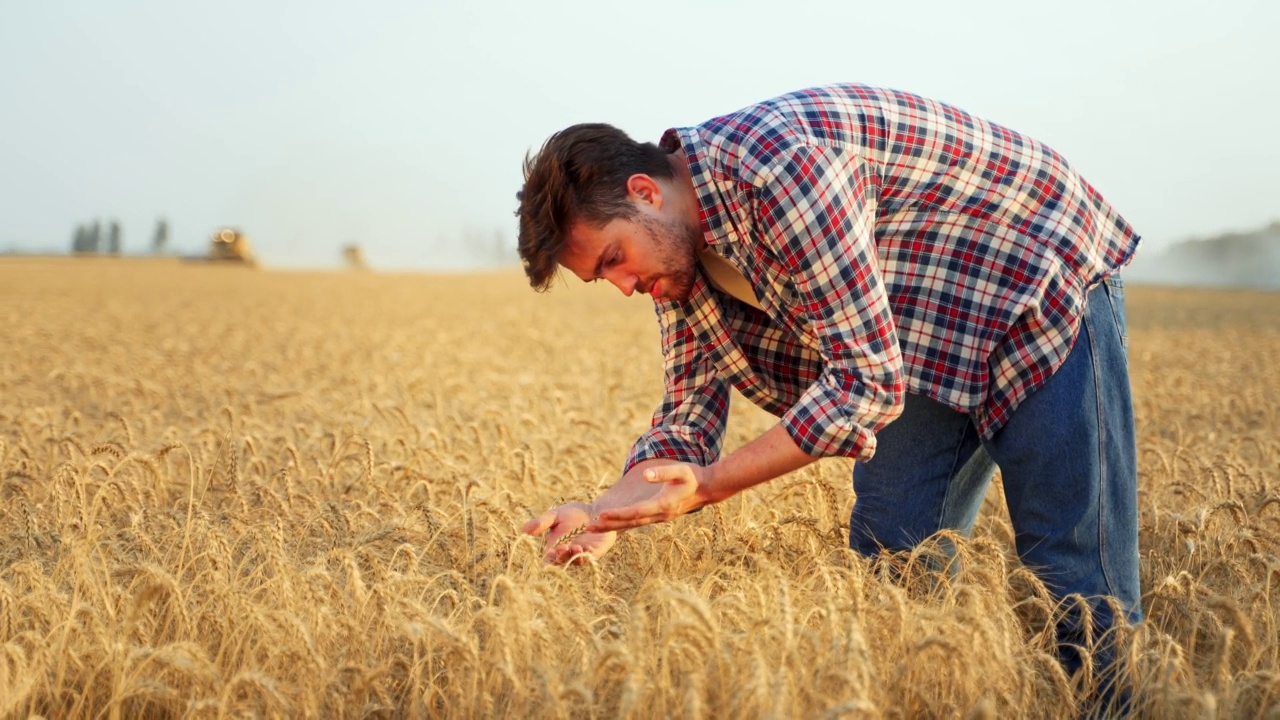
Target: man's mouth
{"type": "Point", "coordinates": [655, 290]}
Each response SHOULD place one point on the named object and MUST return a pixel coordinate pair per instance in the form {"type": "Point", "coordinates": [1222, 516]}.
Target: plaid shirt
{"type": "Point", "coordinates": [897, 245]}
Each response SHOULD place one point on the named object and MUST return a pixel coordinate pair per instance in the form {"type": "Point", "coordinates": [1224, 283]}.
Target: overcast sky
{"type": "Point", "coordinates": [401, 125]}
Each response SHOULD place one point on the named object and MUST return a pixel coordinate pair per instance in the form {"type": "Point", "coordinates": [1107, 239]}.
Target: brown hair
{"type": "Point", "coordinates": [580, 174]}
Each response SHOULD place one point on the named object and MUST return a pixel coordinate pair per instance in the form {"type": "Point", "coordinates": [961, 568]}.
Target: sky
{"type": "Point", "coordinates": [401, 125]}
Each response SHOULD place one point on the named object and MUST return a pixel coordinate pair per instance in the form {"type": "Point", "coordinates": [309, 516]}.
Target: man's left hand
{"type": "Point", "coordinates": [685, 490]}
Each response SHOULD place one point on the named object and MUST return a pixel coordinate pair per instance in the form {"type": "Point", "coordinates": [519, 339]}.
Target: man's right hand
{"type": "Point", "coordinates": [562, 521]}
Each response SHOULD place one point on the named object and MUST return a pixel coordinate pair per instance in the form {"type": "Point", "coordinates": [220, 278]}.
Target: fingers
{"type": "Point", "coordinates": [607, 525]}
{"type": "Point", "coordinates": [562, 554]}
{"type": "Point", "coordinates": [556, 553]}
{"type": "Point", "coordinates": [631, 512]}
{"type": "Point", "coordinates": [645, 513]}
{"type": "Point", "coordinates": [561, 533]}
{"type": "Point", "coordinates": [556, 541]}
{"type": "Point", "coordinates": [680, 484]}
{"type": "Point", "coordinates": [540, 524]}
{"type": "Point", "coordinates": [669, 473]}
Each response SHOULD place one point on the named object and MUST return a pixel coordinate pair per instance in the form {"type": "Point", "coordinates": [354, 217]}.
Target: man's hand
{"type": "Point", "coordinates": [657, 490]}
{"type": "Point", "coordinates": [684, 489]}
{"type": "Point", "coordinates": [568, 538]}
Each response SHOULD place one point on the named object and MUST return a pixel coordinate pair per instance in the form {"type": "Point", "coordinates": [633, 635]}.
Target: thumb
{"type": "Point", "coordinates": [666, 473]}
{"type": "Point", "coordinates": [539, 525]}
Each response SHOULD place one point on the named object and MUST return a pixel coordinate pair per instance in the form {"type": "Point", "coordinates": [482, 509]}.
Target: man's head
{"type": "Point", "coordinates": [604, 206]}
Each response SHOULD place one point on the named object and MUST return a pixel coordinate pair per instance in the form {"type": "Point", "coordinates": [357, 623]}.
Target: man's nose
{"type": "Point", "coordinates": [626, 283]}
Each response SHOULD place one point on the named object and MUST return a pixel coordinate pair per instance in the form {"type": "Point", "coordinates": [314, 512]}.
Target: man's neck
{"type": "Point", "coordinates": [690, 212]}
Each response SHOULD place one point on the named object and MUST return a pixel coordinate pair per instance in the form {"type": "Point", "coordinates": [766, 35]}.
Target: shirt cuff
{"type": "Point", "coordinates": [679, 443]}
{"type": "Point", "coordinates": [822, 424]}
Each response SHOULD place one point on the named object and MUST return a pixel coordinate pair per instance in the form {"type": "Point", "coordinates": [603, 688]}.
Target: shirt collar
{"type": "Point", "coordinates": [711, 199]}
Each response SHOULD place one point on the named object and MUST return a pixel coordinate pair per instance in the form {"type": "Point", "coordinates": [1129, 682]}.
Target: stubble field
{"type": "Point", "coordinates": [231, 493]}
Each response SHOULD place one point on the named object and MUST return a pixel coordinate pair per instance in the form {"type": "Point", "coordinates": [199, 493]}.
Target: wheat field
{"type": "Point", "coordinates": [228, 493]}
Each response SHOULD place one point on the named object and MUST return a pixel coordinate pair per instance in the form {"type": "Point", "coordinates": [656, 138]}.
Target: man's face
{"type": "Point", "coordinates": [650, 253]}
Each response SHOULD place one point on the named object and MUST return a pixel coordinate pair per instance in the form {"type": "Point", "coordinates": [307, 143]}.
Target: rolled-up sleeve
{"type": "Point", "coordinates": [689, 424]}
{"type": "Point", "coordinates": [815, 209]}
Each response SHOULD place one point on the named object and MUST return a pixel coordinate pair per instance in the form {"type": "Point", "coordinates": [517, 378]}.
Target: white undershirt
{"type": "Point", "coordinates": [726, 278]}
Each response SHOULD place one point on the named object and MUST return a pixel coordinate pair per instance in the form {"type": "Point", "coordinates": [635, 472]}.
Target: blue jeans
{"type": "Point", "coordinates": [1067, 458]}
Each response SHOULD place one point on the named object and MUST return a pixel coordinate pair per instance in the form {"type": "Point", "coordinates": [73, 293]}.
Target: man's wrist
{"type": "Point", "coordinates": [710, 489]}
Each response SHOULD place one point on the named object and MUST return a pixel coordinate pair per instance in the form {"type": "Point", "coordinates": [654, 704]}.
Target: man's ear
{"type": "Point", "coordinates": [645, 189]}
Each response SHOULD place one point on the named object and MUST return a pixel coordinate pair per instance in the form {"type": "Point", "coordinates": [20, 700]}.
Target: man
{"type": "Point", "coordinates": [899, 282]}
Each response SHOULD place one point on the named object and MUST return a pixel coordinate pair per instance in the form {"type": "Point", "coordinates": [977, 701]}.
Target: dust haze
{"type": "Point", "coordinates": [1238, 260]}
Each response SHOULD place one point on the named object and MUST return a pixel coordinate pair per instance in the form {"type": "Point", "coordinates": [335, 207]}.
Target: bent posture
{"type": "Point", "coordinates": [899, 282]}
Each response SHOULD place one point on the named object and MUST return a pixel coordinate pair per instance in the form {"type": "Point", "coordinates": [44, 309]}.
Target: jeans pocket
{"type": "Point", "coordinates": [1115, 296]}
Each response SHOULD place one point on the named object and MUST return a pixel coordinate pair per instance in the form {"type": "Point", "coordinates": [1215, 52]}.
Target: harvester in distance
{"type": "Point", "coordinates": [229, 245]}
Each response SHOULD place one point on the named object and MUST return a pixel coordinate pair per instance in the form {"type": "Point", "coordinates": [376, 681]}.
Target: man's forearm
{"type": "Point", "coordinates": [771, 455]}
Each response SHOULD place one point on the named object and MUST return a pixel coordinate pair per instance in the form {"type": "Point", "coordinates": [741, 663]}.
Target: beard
{"type": "Point", "coordinates": [674, 249]}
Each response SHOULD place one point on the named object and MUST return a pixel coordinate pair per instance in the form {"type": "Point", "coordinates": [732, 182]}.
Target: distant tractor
{"type": "Point", "coordinates": [231, 245]}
